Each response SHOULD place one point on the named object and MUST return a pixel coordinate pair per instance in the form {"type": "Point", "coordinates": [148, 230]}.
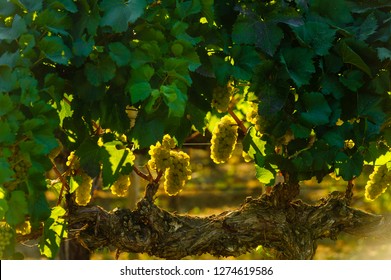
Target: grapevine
{"type": "Point", "coordinates": [379, 181]}
{"type": "Point", "coordinates": [224, 137]}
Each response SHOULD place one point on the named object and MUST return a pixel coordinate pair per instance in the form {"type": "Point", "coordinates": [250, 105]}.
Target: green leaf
{"type": "Point", "coordinates": [140, 92]}
{"type": "Point", "coordinates": [353, 80]}
{"type": "Point", "coordinates": [245, 59]}
{"type": "Point", "coordinates": [6, 134]}
{"type": "Point", "coordinates": [349, 167]}
{"type": "Point", "coordinates": [300, 131]}
{"type": "Point", "coordinates": [53, 233]}
{"type": "Point", "coordinates": [351, 57]}
{"type": "Point", "coordinates": [8, 80]}
{"type": "Point", "coordinates": [38, 207]}
{"type": "Point", "coordinates": [299, 64]}
{"type": "Point", "coordinates": [55, 49]}
{"type": "Point", "coordinates": [82, 48]}
{"type": "Point", "coordinates": [3, 202]}
{"type": "Point", "coordinates": [383, 53]}
{"type": "Point", "coordinates": [264, 175]}
{"type": "Point", "coordinates": [179, 31]}
{"type": "Point", "coordinates": [6, 104]}
{"type": "Point", "coordinates": [338, 12]}
{"type": "Point", "coordinates": [318, 35]}
{"type": "Point", "coordinates": [91, 154]}
{"type": "Point", "coordinates": [6, 172]}
{"type": "Point", "coordinates": [120, 54]}
{"type": "Point", "coordinates": [367, 28]}
{"type": "Point", "coordinates": [118, 14]}
{"type": "Point", "coordinates": [318, 110]}
{"type": "Point", "coordinates": [253, 145]}
{"type": "Point", "coordinates": [119, 161]}
{"type": "Point", "coordinates": [32, 5]}
{"type": "Point", "coordinates": [187, 8]}
{"type": "Point", "coordinates": [18, 28]}
{"type": "Point", "coordinates": [18, 208]}
{"type": "Point", "coordinates": [175, 100]}
{"type": "Point", "coordinates": [100, 72]}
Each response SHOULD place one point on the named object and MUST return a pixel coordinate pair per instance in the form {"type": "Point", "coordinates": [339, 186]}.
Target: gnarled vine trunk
{"type": "Point", "coordinates": [273, 220]}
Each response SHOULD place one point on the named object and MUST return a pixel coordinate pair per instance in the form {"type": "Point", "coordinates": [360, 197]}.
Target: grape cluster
{"type": "Point", "coordinates": [121, 186]}
{"type": "Point", "coordinates": [221, 98]}
{"type": "Point", "coordinates": [224, 137]}
{"type": "Point", "coordinates": [83, 191]}
{"type": "Point", "coordinates": [378, 182]}
{"type": "Point", "coordinates": [20, 165]}
{"type": "Point", "coordinates": [174, 164]}
{"type": "Point", "coordinates": [73, 162]}
{"type": "Point", "coordinates": [253, 117]}
{"type": "Point", "coordinates": [177, 173]}
{"type": "Point", "coordinates": [160, 153]}
{"type": "Point", "coordinates": [24, 228]}
{"type": "Point", "coordinates": [132, 113]}
{"type": "Point", "coordinates": [5, 238]}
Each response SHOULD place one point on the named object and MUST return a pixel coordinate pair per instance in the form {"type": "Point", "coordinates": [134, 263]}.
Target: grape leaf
{"type": "Point", "coordinates": [55, 49]}
{"type": "Point", "coordinates": [264, 175]}
{"type": "Point", "coordinates": [118, 14]}
{"type": "Point", "coordinates": [119, 53]}
{"type": "Point", "coordinates": [316, 34]}
{"type": "Point", "coordinates": [18, 28]}
{"type": "Point", "coordinates": [318, 110]}
{"type": "Point", "coordinates": [351, 57]}
{"type": "Point", "coordinates": [100, 72]}
{"type": "Point", "coordinates": [383, 53]}
{"type": "Point", "coordinates": [54, 231]}
{"type": "Point", "coordinates": [17, 208]}
{"type": "Point", "coordinates": [349, 167]}
{"type": "Point", "coordinates": [299, 64]}
{"type": "Point", "coordinates": [6, 104]}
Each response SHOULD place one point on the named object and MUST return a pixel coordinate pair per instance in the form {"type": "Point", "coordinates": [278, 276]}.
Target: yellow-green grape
{"type": "Point", "coordinates": [83, 191]}
{"type": "Point", "coordinates": [349, 144]}
{"type": "Point", "coordinates": [24, 228]}
{"type": "Point", "coordinates": [121, 186]}
{"type": "Point", "coordinates": [20, 165]}
{"type": "Point", "coordinates": [221, 98]}
{"type": "Point", "coordinates": [178, 172]}
{"type": "Point", "coordinates": [254, 118]}
{"type": "Point", "coordinates": [5, 238]}
{"type": "Point", "coordinates": [378, 182]}
{"type": "Point", "coordinates": [224, 137]}
{"type": "Point", "coordinates": [73, 161]}
{"type": "Point", "coordinates": [132, 113]}
{"type": "Point", "coordinates": [160, 153]}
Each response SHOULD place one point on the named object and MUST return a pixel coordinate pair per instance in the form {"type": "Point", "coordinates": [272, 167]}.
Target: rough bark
{"type": "Point", "coordinates": [272, 220]}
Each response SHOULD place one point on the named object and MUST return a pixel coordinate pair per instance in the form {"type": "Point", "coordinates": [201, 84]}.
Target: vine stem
{"type": "Point", "coordinates": [141, 174]}
{"type": "Point", "coordinates": [63, 182]}
{"type": "Point", "coordinates": [237, 120]}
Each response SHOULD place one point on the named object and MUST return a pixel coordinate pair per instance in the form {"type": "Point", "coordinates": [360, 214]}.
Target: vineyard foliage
{"type": "Point", "coordinates": [106, 78]}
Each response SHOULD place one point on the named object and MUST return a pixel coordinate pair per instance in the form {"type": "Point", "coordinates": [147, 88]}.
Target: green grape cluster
{"type": "Point", "coordinates": [132, 113]}
{"type": "Point", "coordinates": [20, 165]}
{"type": "Point", "coordinates": [221, 98]}
{"type": "Point", "coordinates": [174, 164]}
{"type": "Point", "coordinates": [73, 162]}
{"type": "Point", "coordinates": [121, 186]}
{"type": "Point", "coordinates": [5, 238]}
{"type": "Point", "coordinates": [177, 173]}
{"type": "Point", "coordinates": [253, 117]}
{"type": "Point", "coordinates": [83, 191]}
{"type": "Point", "coordinates": [224, 137]}
{"type": "Point", "coordinates": [160, 153]}
{"type": "Point", "coordinates": [378, 182]}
